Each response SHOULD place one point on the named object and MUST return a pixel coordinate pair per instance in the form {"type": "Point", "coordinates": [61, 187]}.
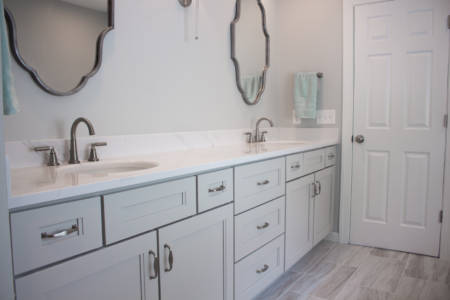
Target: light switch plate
{"type": "Point", "coordinates": [326, 116]}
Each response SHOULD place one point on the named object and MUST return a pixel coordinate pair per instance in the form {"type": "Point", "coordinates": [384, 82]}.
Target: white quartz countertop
{"type": "Point", "coordinates": [34, 186]}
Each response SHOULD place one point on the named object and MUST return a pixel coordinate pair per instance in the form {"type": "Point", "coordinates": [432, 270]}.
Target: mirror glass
{"type": "Point", "coordinates": [59, 40]}
{"type": "Point", "coordinates": [251, 46]}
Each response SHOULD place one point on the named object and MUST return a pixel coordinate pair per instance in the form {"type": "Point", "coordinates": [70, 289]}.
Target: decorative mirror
{"type": "Point", "coordinates": [250, 49]}
{"type": "Point", "coordinates": [59, 42]}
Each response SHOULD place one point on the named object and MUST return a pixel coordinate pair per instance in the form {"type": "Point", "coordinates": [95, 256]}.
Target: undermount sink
{"type": "Point", "coordinates": [94, 168]}
{"type": "Point", "coordinates": [283, 142]}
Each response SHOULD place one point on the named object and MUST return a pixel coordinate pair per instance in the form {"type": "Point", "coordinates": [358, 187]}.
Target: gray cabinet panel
{"type": "Point", "coordinates": [118, 272]}
{"type": "Point", "coordinates": [76, 227]}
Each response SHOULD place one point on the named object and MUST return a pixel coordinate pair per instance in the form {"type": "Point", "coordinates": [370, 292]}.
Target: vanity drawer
{"type": "Point", "coordinates": [132, 212]}
{"type": "Point", "coordinates": [46, 235]}
{"type": "Point", "coordinates": [214, 189]}
{"type": "Point", "coordinates": [256, 272]}
{"type": "Point", "coordinates": [258, 226]}
{"type": "Point", "coordinates": [330, 156]}
{"type": "Point", "coordinates": [313, 161]}
{"type": "Point", "coordinates": [294, 166]}
{"type": "Point", "coordinates": [258, 183]}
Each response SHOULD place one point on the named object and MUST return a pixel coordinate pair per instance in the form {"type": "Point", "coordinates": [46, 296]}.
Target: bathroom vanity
{"type": "Point", "coordinates": [224, 227]}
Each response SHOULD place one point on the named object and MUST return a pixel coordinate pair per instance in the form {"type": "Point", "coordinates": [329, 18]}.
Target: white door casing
{"type": "Point", "coordinates": [400, 99]}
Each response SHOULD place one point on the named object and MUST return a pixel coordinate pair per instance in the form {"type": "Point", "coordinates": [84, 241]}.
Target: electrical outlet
{"type": "Point", "coordinates": [326, 116]}
{"type": "Point", "coordinates": [295, 120]}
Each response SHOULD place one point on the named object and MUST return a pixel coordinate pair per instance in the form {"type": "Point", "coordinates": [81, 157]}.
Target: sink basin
{"type": "Point", "coordinates": [104, 168]}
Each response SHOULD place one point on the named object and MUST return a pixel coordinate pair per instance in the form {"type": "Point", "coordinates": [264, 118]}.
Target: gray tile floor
{"type": "Point", "coordinates": [347, 272]}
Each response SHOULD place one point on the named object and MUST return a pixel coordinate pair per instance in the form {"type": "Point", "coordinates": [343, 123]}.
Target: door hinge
{"type": "Point", "coordinates": [441, 216]}
{"type": "Point", "coordinates": [448, 22]}
{"type": "Point", "coordinates": [446, 121]}
{"type": "Point", "coordinates": [352, 138]}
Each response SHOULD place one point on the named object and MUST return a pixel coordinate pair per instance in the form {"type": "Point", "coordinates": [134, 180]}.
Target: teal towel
{"type": "Point", "coordinates": [306, 88]}
{"type": "Point", "coordinates": [251, 85]}
{"type": "Point", "coordinates": [10, 103]}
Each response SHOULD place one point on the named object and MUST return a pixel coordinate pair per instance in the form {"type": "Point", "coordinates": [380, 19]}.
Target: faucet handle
{"type": "Point", "coordinates": [263, 136]}
{"type": "Point", "coordinates": [52, 157]}
{"type": "Point", "coordinates": [249, 137]}
{"type": "Point", "coordinates": [93, 154]}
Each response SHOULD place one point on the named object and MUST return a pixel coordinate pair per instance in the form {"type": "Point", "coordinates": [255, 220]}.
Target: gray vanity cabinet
{"type": "Point", "coordinates": [196, 257]}
{"type": "Point", "coordinates": [122, 271]}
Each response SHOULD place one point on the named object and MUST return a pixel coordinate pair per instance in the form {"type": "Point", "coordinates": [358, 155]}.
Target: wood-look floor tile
{"type": "Point", "coordinates": [361, 293]}
{"type": "Point", "coordinates": [321, 269]}
{"type": "Point", "coordinates": [409, 288]}
{"type": "Point", "coordinates": [280, 286]}
{"type": "Point", "coordinates": [428, 268]}
{"type": "Point", "coordinates": [435, 291]}
{"type": "Point", "coordinates": [306, 285]}
{"type": "Point", "coordinates": [333, 283]}
{"type": "Point", "coordinates": [389, 254]}
{"type": "Point", "coordinates": [341, 253]}
{"type": "Point", "coordinates": [313, 257]}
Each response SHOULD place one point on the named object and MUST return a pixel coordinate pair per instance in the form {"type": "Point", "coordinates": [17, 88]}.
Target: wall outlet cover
{"type": "Point", "coordinates": [326, 116]}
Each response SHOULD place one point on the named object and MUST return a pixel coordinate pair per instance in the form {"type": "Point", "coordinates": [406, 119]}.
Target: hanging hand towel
{"type": "Point", "coordinates": [251, 85]}
{"type": "Point", "coordinates": [305, 95]}
{"type": "Point", "coordinates": [10, 103]}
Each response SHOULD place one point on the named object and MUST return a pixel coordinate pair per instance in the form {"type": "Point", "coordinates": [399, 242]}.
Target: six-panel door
{"type": "Point", "coordinates": [122, 271]}
{"type": "Point", "coordinates": [196, 257]}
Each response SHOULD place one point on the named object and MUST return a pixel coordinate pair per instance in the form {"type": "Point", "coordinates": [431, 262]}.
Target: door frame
{"type": "Point", "coordinates": [348, 24]}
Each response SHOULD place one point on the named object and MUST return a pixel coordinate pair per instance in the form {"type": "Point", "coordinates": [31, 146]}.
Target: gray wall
{"type": "Point", "coordinates": [309, 38]}
{"type": "Point", "coordinates": [156, 78]}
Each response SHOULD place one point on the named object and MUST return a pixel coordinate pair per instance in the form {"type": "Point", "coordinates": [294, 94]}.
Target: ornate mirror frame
{"type": "Point", "coordinates": [33, 73]}
{"type": "Point", "coordinates": [235, 59]}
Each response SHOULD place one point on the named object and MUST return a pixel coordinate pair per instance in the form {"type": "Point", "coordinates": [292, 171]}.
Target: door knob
{"type": "Point", "coordinates": [360, 139]}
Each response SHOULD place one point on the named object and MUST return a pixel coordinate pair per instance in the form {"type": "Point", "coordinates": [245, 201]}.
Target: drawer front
{"type": "Point", "coordinates": [256, 272]}
{"type": "Point", "coordinates": [294, 166]}
{"type": "Point", "coordinates": [215, 189]}
{"type": "Point", "coordinates": [50, 234]}
{"type": "Point", "coordinates": [258, 226]}
{"type": "Point", "coordinates": [313, 161]}
{"type": "Point", "coordinates": [132, 212]}
{"type": "Point", "coordinates": [258, 183]}
{"type": "Point", "coordinates": [330, 156]}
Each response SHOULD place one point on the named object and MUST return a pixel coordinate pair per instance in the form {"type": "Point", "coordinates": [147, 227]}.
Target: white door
{"type": "Point", "coordinates": [196, 257]}
{"type": "Point", "coordinates": [123, 271]}
{"type": "Point", "coordinates": [323, 204]}
{"type": "Point", "coordinates": [299, 219]}
{"type": "Point", "coordinates": [401, 66]}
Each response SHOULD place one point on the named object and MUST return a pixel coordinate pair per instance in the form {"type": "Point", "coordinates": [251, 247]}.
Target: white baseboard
{"type": "Point", "coordinates": [333, 237]}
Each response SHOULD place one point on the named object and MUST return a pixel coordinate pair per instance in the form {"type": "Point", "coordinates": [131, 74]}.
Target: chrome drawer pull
{"type": "Point", "coordinates": [265, 182]}
{"type": "Point", "coordinates": [264, 269]}
{"type": "Point", "coordinates": [155, 265]}
{"type": "Point", "coordinates": [297, 166]}
{"type": "Point", "coordinates": [265, 225]}
{"type": "Point", "coordinates": [59, 234]}
{"type": "Point", "coordinates": [170, 258]}
{"type": "Point", "coordinates": [217, 189]}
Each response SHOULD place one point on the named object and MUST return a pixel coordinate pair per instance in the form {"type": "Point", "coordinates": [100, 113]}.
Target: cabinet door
{"type": "Point", "coordinates": [299, 218]}
{"type": "Point", "coordinates": [196, 257]}
{"type": "Point", "coordinates": [323, 204]}
{"type": "Point", "coordinates": [122, 271]}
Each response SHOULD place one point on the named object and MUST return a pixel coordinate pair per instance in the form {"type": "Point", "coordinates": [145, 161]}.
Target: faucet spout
{"type": "Point", "coordinates": [73, 158]}
{"type": "Point", "coordinates": [260, 137]}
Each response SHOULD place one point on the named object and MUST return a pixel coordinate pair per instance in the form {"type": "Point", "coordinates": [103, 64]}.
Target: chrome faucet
{"type": "Point", "coordinates": [73, 159]}
{"type": "Point", "coordinates": [258, 137]}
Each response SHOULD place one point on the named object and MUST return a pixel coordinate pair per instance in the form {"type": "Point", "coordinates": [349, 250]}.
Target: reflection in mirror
{"type": "Point", "coordinates": [59, 42]}
{"type": "Point", "coordinates": [250, 49]}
